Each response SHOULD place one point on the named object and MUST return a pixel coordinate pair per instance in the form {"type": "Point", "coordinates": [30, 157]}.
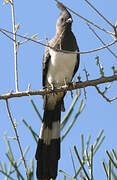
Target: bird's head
{"type": "Point", "coordinates": [64, 21]}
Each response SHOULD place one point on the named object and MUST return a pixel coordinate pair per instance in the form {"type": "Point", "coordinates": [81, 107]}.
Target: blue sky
{"type": "Point", "coordinates": [40, 17]}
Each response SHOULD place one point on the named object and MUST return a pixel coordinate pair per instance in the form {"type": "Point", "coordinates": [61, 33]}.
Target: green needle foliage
{"type": "Point", "coordinates": [86, 158]}
{"type": "Point", "coordinates": [110, 168]}
{"type": "Point", "coordinates": [13, 166]}
{"type": "Point", "coordinates": [88, 151]}
{"type": "Point", "coordinates": [36, 110]}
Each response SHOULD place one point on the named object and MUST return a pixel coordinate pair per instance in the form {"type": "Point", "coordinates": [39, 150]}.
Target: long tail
{"type": "Point", "coordinates": [48, 149]}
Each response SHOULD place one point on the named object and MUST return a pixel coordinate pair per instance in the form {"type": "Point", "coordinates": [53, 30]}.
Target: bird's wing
{"type": "Point", "coordinates": [77, 65]}
{"type": "Point", "coordinates": [46, 59]}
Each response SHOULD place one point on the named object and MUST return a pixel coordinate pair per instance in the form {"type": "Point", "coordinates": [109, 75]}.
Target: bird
{"type": "Point", "coordinates": [60, 64]}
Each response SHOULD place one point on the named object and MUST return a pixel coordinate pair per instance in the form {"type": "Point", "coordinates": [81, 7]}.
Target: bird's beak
{"type": "Point", "coordinates": [69, 20]}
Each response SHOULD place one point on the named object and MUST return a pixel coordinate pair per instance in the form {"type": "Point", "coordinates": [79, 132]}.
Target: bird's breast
{"type": "Point", "coordinates": [61, 67]}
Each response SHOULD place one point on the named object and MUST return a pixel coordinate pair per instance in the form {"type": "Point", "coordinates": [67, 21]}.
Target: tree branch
{"type": "Point", "coordinates": [59, 50]}
{"type": "Point", "coordinates": [100, 14]}
{"type": "Point", "coordinates": [72, 86]}
{"type": "Point", "coordinates": [103, 95]}
{"type": "Point", "coordinates": [102, 41]}
{"type": "Point", "coordinates": [17, 137]}
{"type": "Point", "coordinates": [15, 45]}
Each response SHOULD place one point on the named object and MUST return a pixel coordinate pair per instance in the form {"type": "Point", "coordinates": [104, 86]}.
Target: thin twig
{"type": "Point", "coordinates": [99, 13]}
{"type": "Point", "coordinates": [98, 49]}
{"type": "Point", "coordinates": [7, 35]}
{"type": "Point", "coordinates": [64, 88]}
{"type": "Point", "coordinates": [17, 137]}
{"type": "Point", "coordinates": [59, 50]}
{"type": "Point", "coordinates": [107, 87]}
{"type": "Point", "coordinates": [15, 45]}
{"type": "Point", "coordinates": [102, 41]}
{"type": "Point", "coordinates": [107, 99]}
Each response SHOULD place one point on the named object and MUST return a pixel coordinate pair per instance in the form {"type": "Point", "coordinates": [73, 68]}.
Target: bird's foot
{"type": "Point", "coordinates": [53, 88]}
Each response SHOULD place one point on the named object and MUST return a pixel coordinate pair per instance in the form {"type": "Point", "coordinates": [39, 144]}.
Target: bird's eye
{"type": "Point", "coordinates": [62, 19]}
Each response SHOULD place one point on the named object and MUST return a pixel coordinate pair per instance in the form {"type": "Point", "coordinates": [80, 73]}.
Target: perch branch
{"type": "Point", "coordinates": [72, 86]}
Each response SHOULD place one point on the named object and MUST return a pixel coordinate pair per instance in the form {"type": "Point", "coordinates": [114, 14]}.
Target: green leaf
{"type": "Point", "coordinates": [18, 43]}
{"type": "Point", "coordinates": [73, 161]}
{"type": "Point", "coordinates": [81, 107]}
{"type": "Point", "coordinates": [36, 110]}
{"type": "Point", "coordinates": [87, 144]}
{"type": "Point", "coordinates": [24, 154]}
{"type": "Point", "coordinates": [111, 160]}
{"type": "Point", "coordinates": [105, 169]}
{"type": "Point", "coordinates": [82, 145]}
{"type": "Point", "coordinates": [5, 168]}
{"type": "Point", "coordinates": [9, 148]}
{"type": "Point", "coordinates": [97, 58]}
{"type": "Point", "coordinates": [65, 174]}
{"type": "Point", "coordinates": [6, 175]}
{"type": "Point", "coordinates": [1, 166]}
{"type": "Point", "coordinates": [35, 136]}
{"type": "Point", "coordinates": [9, 170]}
{"type": "Point", "coordinates": [17, 26]}
{"type": "Point", "coordinates": [99, 144]}
{"type": "Point", "coordinates": [114, 154]}
{"type": "Point", "coordinates": [34, 36]}
{"type": "Point", "coordinates": [14, 164]}
{"type": "Point", "coordinates": [109, 170]}
{"type": "Point", "coordinates": [91, 168]}
{"type": "Point", "coordinates": [6, 2]}
{"type": "Point", "coordinates": [98, 139]}
{"type": "Point", "coordinates": [67, 116]}
{"type": "Point", "coordinates": [82, 165]}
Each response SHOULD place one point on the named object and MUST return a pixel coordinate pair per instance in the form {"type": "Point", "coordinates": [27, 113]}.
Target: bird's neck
{"type": "Point", "coordinates": [63, 31]}
{"type": "Point", "coordinates": [65, 41]}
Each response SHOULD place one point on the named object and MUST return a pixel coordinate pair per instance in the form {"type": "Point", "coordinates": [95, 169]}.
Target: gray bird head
{"type": "Point", "coordinates": [64, 21]}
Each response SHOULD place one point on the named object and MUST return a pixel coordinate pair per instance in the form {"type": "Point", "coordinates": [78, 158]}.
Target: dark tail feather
{"type": "Point", "coordinates": [48, 149]}
{"type": "Point", "coordinates": [47, 157]}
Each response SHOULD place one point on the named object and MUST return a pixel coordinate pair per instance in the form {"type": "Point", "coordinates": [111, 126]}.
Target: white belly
{"type": "Point", "coordinates": [60, 70]}
{"type": "Point", "coordinates": [61, 67]}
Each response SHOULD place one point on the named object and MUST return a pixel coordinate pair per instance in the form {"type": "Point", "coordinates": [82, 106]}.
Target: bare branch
{"type": "Point", "coordinates": [86, 73]}
{"type": "Point", "coordinates": [103, 95]}
{"type": "Point", "coordinates": [7, 35]}
{"type": "Point", "coordinates": [107, 88]}
{"type": "Point", "coordinates": [47, 45]}
{"type": "Point", "coordinates": [99, 14]}
{"type": "Point", "coordinates": [102, 41]}
{"type": "Point", "coordinates": [17, 137]}
{"type": "Point", "coordinates": [15, 45]}
{"type": "Point", "coordinates": [72, 86]}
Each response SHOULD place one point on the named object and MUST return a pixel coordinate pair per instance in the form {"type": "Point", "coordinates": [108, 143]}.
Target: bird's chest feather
{"type": "Point", "coordinates": [61, 67]}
